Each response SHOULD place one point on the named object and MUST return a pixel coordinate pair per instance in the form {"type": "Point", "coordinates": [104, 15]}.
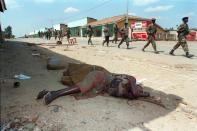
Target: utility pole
{"type": "Point", "coordinates": [127, 19]}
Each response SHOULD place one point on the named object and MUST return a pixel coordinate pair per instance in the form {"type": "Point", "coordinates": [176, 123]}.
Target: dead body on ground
{"type": "Point", "coordinates": [82, 80]}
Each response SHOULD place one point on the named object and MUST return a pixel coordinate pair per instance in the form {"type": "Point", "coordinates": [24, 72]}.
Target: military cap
{"type": "Point", "coordinates": [153, 19]}
{"type": "Point", "coordinates": [185, 18]}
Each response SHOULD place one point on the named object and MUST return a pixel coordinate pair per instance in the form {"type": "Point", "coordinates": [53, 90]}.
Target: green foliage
{"type": "Point", "coordinates": [8, 32]}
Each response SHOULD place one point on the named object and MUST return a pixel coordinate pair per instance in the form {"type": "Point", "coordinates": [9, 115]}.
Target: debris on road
{"type": "Point", "coordinates": [16, 84]}
{"type": "Point", "coordinates": [54, 63]}
{"type": "Point", "coordinates": [22, 77]}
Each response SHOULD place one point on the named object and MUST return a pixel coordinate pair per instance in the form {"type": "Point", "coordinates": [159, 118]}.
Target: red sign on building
{"type": "Point", "coordinates": [191, 36]}
{"type": "Point", "coordinates": [139, 30]}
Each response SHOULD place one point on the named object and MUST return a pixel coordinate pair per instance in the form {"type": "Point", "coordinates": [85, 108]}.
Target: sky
{"type": "Point", "coordinates": [28, 15]}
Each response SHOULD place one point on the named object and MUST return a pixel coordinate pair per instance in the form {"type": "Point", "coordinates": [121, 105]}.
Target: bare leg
{"type": "Point", "coordinates": [93, 79]}
{"type": "Point", "coordinates": [52, 95]}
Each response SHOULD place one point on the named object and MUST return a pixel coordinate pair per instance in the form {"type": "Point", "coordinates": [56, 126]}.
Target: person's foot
{"type": "Point", "coordinates": [143, 49]}
{"type": "Point", "coordinates": [48, 98]}
{"type": "Point", "coordinates": [118, 46]}
{"type": "Point", "coordinates": [41, 94]}
{"type": "Point", "coordinates": [156, 52]}
{"type": "Point", "coordinates": [189, 55]}
{"type": "Point", "coordinates": [171, 52]}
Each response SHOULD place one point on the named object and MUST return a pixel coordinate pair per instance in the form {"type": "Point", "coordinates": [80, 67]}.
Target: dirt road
{"type": "Point", "coordinates": [173, 78]}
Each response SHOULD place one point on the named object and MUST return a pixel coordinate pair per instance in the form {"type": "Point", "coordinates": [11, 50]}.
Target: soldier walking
{"type": "Point", "coordinates": [68, 34]}
{"type": "Point", "coordinates": [125, 35]}
{"type": "Point", "coordinates": [55, 34]}
{"type": "Point", "coordinates": [90, 33]}
{"type": "Point", "coordinates": [183, 31]}
{"type": "Point", "coordinates": [151, 31]}
{"type": "Point", "coordinates": [60, 36]}
{"type": "Point", "coordinates": [116, 30]}
{"type": "Point", "coordinates": [49, 34]}
{"type": "Point", "coordinates": [106, 33]}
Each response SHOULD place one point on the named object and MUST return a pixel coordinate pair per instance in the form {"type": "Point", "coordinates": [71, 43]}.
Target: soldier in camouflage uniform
{"type": "Point", "coordinates": [90, 33]}
{"type": "Point", "coordinates": [183, 31]}
{"type": "Point", "coordinates": [106, 33]}
{"type": "Point", "coordinates": [125, 35]}
{"type": "Point", "coordinates": [151, 31]}
{"type": "Point", "coordinates": [60, 35]}
{"type": "Point", "coordinates": [55, 34]}
{"type": "Point", "coordinates": [116, 30]}
{"type": "Point", "coordinates": [68, 34]}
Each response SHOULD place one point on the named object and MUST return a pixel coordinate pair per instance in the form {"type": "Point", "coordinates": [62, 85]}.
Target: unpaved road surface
{"type": "Point", "coordinates": [172, 78]}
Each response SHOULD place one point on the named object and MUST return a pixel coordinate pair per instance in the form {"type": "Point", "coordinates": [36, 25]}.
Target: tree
{"type": "Point", "coordinates": [8, 32]}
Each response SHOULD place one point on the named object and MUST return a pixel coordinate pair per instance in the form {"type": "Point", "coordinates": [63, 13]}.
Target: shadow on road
{"type": "Point", "coordinates": [17, 57]}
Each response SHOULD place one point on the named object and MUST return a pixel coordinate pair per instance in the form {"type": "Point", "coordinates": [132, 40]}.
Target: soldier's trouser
{"type": "Point", "coordinates": [125, 38]}
{"type": "Point", "coordinates": [89, 40]}
{"type": "Point", "coordinates": [152, 41]}
{"type": "Point", "coordinates": [106, 40]}
{"type": "Point", "coordinates": [182, 42]}
{"type": "Point", "coordinates": [115, 38]}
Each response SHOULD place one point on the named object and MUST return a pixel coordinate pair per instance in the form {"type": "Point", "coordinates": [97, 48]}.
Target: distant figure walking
{"type": "Point", "coordinates": [125, 35]}
{"type": "Point", "coordinates": [116, 30]}
{"type": "Point", "coordinates": [55, 34]}
{"type": "Point", "coordinates": [89, 34]}
{"type": "Point", "coordinates": [151, 31]}
{"type": "Point", "coordinates": [60, 36]}
{"type": "Point", "coordinates": [68, 34]}
{"type": "Point", "coordinates": [106, 33]}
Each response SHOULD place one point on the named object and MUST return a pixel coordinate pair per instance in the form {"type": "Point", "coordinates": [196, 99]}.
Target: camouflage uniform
{"type": "Point", "coordinates": [183, 31]}
{"type": "Point", "coordinates": [68, 33]}
{"type": "Point", "coordinates": [60, 36]}
{"type": "Point", "coordinates": [116, 30]}
{"type": "Point", "coordinates": [125, 38]}
{"type": "Point", "coordinates": [106, 32]}
{"type": "Point", "coordinates": [90, 33]}
{"type": "Point", "coordinates": [151, 31]}
{"type": "Point", "coordinates": [55, 34]}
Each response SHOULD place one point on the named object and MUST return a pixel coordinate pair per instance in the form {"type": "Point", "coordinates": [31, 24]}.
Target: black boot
{"type": "Point", "coordinates": [171, 52]}
{"type": "Point", "coordinates": [188, 55]}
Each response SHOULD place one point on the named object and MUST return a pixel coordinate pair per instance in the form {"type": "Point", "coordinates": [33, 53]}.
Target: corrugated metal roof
{"type": "Point", "coordinates": [77, 23]}
{"type": "Point", "coordinates": [114, 19]}
{"type": "Point", "coordinates": [119, 18]}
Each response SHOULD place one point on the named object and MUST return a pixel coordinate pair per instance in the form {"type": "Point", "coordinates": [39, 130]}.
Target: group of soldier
{"type": "Point", "coordinates": [183, 31]}
{"type": "Point", "coordinates": [46, 34]}
{"type": "Point", "coordinates": [58, 34]}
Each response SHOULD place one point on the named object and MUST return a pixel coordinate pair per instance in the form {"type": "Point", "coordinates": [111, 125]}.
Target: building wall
{"type": "Point", "coordinates": [173, 35]}
{"type": "Point", "coordinates": [140, 32]}
{"type": "Point", "coordinates": [77, 27]}
{"type": "Point", "coordinates": [75, 31]}
{"type": "Point", "coordinates": [161, 34]}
